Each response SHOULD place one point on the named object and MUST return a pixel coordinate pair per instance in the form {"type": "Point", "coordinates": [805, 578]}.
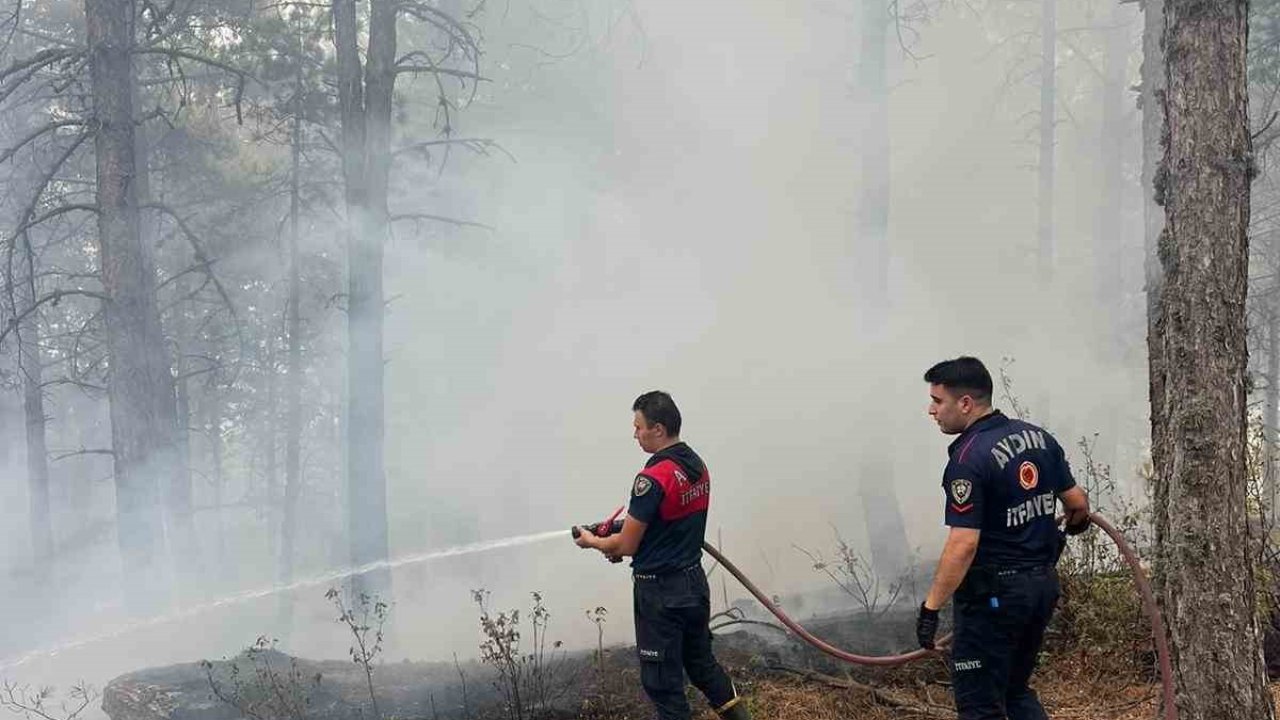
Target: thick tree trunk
{"type": "Point", "coordinates": [1153, 84]}
{"type": "Point", "coordinates": [1198, 364]}
{"type": "Point", "coordinates": [1048, 132]}
{"type": "Point", "coordinates": [366, 118]}
{"type": "Point", "coordinates": [140, 386]}
{"type": "Point", "coordinates": [31, 371]}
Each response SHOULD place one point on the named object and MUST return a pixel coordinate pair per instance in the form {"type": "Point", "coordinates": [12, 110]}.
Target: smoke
{"type": "Point", "coordinates": [680, 215]}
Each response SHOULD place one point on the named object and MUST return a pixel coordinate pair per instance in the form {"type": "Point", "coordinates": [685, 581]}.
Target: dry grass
{"type": "Point", "coordinates": [1065, 697]}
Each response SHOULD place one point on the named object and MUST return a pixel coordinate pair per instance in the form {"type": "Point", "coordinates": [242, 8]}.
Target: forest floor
{"type": "Point", "coordinates": [1070, 687]}
{"type": "Point", "coordinates": [1066, 692]}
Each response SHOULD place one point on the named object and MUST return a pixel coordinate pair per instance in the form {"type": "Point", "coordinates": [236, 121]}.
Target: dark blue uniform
{"type": "Point", "coordinates": [672, 599]}
{"type": "Point", "coordinates": [1003, 478]}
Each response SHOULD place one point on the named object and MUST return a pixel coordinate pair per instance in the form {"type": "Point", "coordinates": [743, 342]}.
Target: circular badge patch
{"type": "Point", "coordinates": [643, 483]}
{"type": "Point", "coordinates": [1028, 475]}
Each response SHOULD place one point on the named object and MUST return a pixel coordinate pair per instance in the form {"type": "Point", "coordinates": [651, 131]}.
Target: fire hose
{"type": "Point", "coordinates": [1156, 620]}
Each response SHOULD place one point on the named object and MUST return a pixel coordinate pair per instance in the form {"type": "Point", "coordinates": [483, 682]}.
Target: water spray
{"type": "Point", "coordinates": [256, 594]}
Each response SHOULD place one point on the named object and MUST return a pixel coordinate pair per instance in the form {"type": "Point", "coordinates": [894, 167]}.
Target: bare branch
{"type": "Point", "coordinates": [54, 297]}
{"type": "Point", "coordinates": [439, 218]}
{"type": "Point", "coordinates": [436, 70]}
{"type": "Point", "coordinates": [82, 451]}
{"type": "Point", "coordinates": [477, 145]}
{"type": "Point", "coordinates": [60, 210]}
{"type": "Point", "coordinates": [42, 59]}
{"type": "Point", "coordinates": [32, 136]}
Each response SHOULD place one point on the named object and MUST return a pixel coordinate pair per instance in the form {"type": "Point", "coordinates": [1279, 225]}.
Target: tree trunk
{"type": "Point", "coordinates": [888, 539]}
{"type": "Point", "coordinates": [213, 427]}
{"type": "Point", "coordinates": [1270, 412]}
{"type": "Point", "coordinates": [1152, 99]}
{"type": "Point", "coordinates": [871, 254]}
{"type": "Point", "coordinates": [140, 386]}
{"type": "Point", "coordinates": [366, 132]}
{"type": "Point", "coordinates": [31, 371]}
{"type": "Point", "coordinates": [1048, 130]}
{"type": "Point", "coordinates": [178, 513]}
{"type": "Point", "coordinates": [293, 386]}
{"type": "Point", "coordinates": [271, 493]}
{"type": "Point", "coordinates": [1109, 221]}
{"type": "Point", "coordinates": [1198, 364]}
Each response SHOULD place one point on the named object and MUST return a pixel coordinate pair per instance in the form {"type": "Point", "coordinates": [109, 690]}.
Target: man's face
{"type": "Point", "coordinates": [649, 436]}
{"type": "Point", "coordinates": [951, 410]}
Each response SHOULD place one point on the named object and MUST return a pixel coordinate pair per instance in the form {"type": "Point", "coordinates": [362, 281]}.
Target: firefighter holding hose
{"type": "Point", "coordinates": [1002, 483]}
{"type": "Point", "coordinates": [663, 533]}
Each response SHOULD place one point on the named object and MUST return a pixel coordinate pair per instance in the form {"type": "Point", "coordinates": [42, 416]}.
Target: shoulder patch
{"type": "Point", "coordinates": [642, 486]}
{"type": "Point", "coordinates": [961, 490]}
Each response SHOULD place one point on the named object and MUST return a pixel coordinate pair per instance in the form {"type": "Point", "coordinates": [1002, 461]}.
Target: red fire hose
{"type": "Point", "coordinates": [1170, 710]}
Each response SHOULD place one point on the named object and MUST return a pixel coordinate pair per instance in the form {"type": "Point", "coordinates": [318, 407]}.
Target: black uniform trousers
{"type": "Point", "coordinates": [673, 637]}
{"type": "Point", "coordinates": [1000, 619]}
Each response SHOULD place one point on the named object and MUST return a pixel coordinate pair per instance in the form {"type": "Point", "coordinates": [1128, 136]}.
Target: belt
{"type": "Point", "coordinates": [1024, 570]}
{"type": "Point", "coordinates": [652, 577]}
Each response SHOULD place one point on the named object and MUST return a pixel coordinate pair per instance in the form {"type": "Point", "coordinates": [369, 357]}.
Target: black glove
{"type": "Point", "coordinates": [1061, 546]}
{"type": "Point", "coordinates": [1078, 527]}
{"type": "Point", "coordinates": [926, 627]}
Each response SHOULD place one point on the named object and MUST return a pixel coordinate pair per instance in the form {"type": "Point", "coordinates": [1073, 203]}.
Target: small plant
{"type": "Point", "coordinates": [598, 617]}
{"type": "Point", "coordinates": [271, 691]}
{"type": "Point", "coordinates": [37, 704]}
{"type": "Point", "coordinates": [858, 578]}
{"type": "Point", "coordinates": [530, 682]}
{"type": "Point", "coordinates": [365, 620]}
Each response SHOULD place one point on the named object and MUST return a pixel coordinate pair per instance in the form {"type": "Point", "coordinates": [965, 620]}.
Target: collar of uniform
{"type": "Point", "coordinates": [995, 417]}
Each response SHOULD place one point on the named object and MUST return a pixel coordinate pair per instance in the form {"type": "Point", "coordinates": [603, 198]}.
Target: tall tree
{"type": "Point", "coordinates": [365, 97]}
{"type": "Point", "coordinates": [140, 385]}
{"type": "Point", "coordinates": [1198, 363]}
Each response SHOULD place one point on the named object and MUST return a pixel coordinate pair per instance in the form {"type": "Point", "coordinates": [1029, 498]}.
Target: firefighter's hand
{"type": "Point", "coordinates": [586, 538]}
{"type": "Point", "coordinates": [926, 627]}
{"type": "Point", "coordinates": [1078, 527]}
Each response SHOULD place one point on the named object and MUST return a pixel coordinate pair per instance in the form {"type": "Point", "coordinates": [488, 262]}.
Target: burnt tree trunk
{"type": "Point", "coordinates": [1198, 365]}
{"type": "Point", "coordinates": [140, 386]}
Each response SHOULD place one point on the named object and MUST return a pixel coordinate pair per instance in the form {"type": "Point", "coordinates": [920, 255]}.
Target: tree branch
{"type": "Point", "coordinates": [53, 297]}
{"type": "Point", "coordinates": [44, 58]}
{"type": "Point", "coordinates": [439, 218]}
{"type": "Point", "coordinates": [82, 451]}
{"type": "Point", "coordinates": [8, 154]}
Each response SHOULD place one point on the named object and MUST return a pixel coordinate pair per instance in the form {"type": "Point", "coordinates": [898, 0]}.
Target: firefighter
{"type": "Point", "coordinates": [663, 533]}
{"type": "Point", "coordinates": [1003, 482]}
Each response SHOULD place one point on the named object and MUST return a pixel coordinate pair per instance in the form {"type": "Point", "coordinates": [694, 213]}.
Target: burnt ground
{"type": "Point", "coordinates": [782, 678]}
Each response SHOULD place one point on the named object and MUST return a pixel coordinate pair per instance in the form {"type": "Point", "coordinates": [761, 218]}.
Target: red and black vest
{"type": "Point", "coordinates": [671, 495]}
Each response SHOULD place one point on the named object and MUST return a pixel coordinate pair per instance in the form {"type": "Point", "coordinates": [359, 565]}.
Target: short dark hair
{"type": "Point", "coordinates": [965, 374]}
{"type": "Point", "coordinates": [658, 407]}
